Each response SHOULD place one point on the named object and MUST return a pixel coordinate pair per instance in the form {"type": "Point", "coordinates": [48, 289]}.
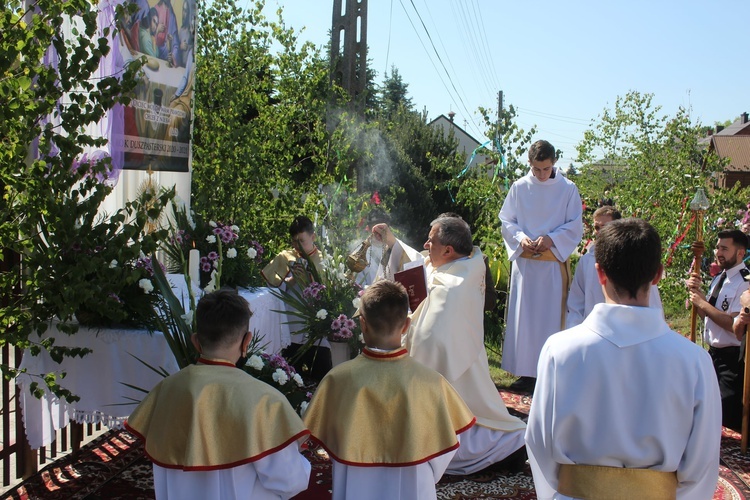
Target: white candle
{"type": "Point", "coordinates": [194, 266]}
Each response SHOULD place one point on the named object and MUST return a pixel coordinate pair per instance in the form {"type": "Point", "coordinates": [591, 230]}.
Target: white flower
{"type": "Point", "coordinates": [146, 285]}
{"type": "Point", "coordinates": [322, 314]}
{"type": "Point", "coordinates": [361, 338]}
{"type": "Point", "coordinates": [188, 317]}
{"type": "Point", "coordinates": [341, 276]}
{"type": "Point", "coordinates": [212, 283]}
{"type": "Point", "coordinates": [255, 362]}
{"type": "Point", "coordinates": [298, 380]}
{"type": "Point", "coordinates": [212, 223]}
{"type": "Point", "coordinates": [231, 253]}
{"type": "Point", "coordinates": [211, 238]}
{"type": "Point", "coordinates": [78, 225]}
{"type": "Point", "coordinates": [519, 172]}
{"type": "Point", "coordinates": [113, 264]}
{"type": "Point", "coordinates": [303, 408]}
{"type": "Point", "coordinates": [252, 253]}
{"type": "Point", "coordinates": [280, 376]}
{"type": "Point", "coordinates": [190, 220]}
{"type": "Point", "coordinates": [357, 302]}
{"type": "Point", "coordinates": [235, 228]}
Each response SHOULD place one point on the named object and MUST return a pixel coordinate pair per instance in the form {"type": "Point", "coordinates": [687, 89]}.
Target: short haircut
{"type": "Point", "coordinates": [301, 224]}
{"type": "Point", "coordinates": [222, 317]}
{"type": "Point", "coordinates": [608, 211]}
{"type": "Point", "coordinates": [385, 306]}
{"type": "Point", "coordinates": [449, 214]}
{"type": "Point", "coordinates": [629, 253]}
{"type": "Point", "coordinates": [738, 237]}
{"type": "Point", "coordinates": [455, 232]}
{"type": "Point", "coordinates": [542, 151]}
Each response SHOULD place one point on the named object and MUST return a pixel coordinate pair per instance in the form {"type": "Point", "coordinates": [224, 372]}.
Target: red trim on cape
{"type": "Point", "coordinates": [221, 466]}
{"type": "Point", "coordinates": [207, 361]}
{"type": "Point", "coordinates": [402, 464]}
{"type": "Point", "coordinates": [379, 355]}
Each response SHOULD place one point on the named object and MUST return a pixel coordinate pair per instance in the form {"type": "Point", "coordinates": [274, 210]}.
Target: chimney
{"type": "Point", "coordinates": [452, 114]}
{"type": "Point", "coordinates": [743, 117]}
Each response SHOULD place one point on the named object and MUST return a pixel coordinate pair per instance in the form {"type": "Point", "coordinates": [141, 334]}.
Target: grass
{"type": "Point", "coordinates": [678, 321]}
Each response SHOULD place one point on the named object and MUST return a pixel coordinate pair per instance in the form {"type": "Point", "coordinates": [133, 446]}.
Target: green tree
{"type": "Point", "coordinates": [394, 93]}
{"type": "Point", "coordinates": [651, 165]}
{"type": "Point", "coordinates": [49, 212]}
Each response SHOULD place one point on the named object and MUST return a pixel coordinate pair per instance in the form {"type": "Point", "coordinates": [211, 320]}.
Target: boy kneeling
{"type": "Point", "coordinates": [212, 430]}
{"type": "Point", "coordinates": [389, 423]}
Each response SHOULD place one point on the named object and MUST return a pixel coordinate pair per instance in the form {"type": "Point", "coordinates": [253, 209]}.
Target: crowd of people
{"type": "Point", "coordinates": [620, 402]}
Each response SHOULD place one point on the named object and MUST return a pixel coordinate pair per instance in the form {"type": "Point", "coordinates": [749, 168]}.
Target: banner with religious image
{"type": "Point", "coordinates": [155, 134]}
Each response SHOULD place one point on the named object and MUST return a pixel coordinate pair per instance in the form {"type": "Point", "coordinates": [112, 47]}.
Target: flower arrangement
{"type": "Point", "coordinates": [227, 258]}
{"type": "Point", "coordinates": [100, 273]}
{"type": "Point", "coordinates": [324, 308]}
{"type": "Point", "coordinates": [274, 370]}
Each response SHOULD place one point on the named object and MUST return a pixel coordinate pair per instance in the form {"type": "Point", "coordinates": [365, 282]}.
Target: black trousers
{"type": "Point", "coordinates": [730, 370]}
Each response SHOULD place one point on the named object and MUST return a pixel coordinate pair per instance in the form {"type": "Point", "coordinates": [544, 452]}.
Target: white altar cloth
{"type": "Point", "coordinates": [99, 377]}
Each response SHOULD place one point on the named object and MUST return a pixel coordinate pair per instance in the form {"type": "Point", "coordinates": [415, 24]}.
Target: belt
{"type": "Point", "coordinates": [595, 482]}
{"type": "Point", "coordinates": [548, 256]}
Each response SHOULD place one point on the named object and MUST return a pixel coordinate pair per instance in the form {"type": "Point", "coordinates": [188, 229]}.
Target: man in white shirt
{"type": "Point", "coordinates": [624, 406]}
{"type": "Point", "coordinates": [585, 291]}
{"type": "Point", "coordinates": [719, 309]}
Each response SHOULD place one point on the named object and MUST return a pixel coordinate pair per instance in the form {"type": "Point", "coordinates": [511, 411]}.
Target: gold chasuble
{"type": "Point", "coordinates": [211, 416]}
{"type": "Point", "coordinates": [386, 409]}
{"type": "Point", "coordinates": [279, 268]}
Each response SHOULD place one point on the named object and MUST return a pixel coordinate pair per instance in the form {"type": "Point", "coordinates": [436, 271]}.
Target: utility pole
{"type": "Point", "coordinates": [499, 117]}
{"type": "Point", "coordinates": [349, 48]}
{"type": "Point", "coordinates": [349, 59]}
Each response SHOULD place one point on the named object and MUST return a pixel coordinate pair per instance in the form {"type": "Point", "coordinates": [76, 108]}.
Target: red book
{"type": "Point", "coordinates": [414, 281]}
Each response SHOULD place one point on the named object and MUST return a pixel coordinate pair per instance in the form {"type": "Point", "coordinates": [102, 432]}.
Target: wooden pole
{"type": "Point", "coordinates": [697, 255]}
{"type": "Point", "coordinates": [745, 302]}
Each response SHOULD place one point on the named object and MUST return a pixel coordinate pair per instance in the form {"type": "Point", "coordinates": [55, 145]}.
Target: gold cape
{"type": "Point", "coordinates": [387, 410]}
{"type": "Point", "coordinates": [213, 415]}
{"type": "Point", "coordinates": [278, 269]}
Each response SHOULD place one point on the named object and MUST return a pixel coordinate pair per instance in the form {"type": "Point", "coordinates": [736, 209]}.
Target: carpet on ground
{"type": "Point", "coordinates": [114, 467]}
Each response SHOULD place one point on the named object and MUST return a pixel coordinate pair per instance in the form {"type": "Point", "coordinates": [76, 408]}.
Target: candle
{"type": "Point", "coordinates": [194, 266]}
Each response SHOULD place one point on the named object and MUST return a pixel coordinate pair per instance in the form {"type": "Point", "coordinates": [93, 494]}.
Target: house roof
{"type": "Point", "coordinates": [734, 147]}
{"type": "Point", "coordinates": [737, 128]}
{"type": "Point", "coordinates": [443, 121]}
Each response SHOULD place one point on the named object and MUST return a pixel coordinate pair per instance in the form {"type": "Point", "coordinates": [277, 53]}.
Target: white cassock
{"type": "Point", "coordinates": [279, 475]}
{"type": "Point", "coordinates": [447, 335]}
{"type": "Point", "coordinates": [586, 291]}
{"type": "Point", "coordinates": [536, 302]}
{"type": "Point", "coordinates": [623, 390]}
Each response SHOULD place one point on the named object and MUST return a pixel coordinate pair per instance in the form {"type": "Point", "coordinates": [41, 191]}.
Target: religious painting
{"type": "Point", "coordinates": [155, 134]}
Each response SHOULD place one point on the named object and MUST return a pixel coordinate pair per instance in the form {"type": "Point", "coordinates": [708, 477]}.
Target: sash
{"type": "Point", "coordinates": [595, 482]}
{"type": "Point", "coordinates": [548, 256]}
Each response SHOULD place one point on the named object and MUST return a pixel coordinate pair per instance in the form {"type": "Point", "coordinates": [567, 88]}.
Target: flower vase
{"type": "Point", "coordinates": [339, 352]}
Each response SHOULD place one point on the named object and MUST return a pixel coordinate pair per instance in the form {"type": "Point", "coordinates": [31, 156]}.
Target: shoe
{"type": "Point", "coordinates": [524, 385]}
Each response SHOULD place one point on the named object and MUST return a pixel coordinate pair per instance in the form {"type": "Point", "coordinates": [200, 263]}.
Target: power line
{"type": "Point", "coordinates": [388, 49]}
{"type": "Point", "coordinates": [429, 36]}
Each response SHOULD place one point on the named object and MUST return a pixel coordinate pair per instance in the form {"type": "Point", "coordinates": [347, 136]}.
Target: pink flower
{"type": "Point", "coordinates": [336, 324]}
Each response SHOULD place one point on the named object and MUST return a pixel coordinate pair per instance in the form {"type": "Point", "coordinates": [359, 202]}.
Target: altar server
{"type": "Point", "coordinates": [447, 335]}
{"type": "Point", "coordinates": [213, 431]}
{"type": "Point", "coordinates": [624, 407]}
{"type": "Point", "coordinates": [585, 291]}
{"type": "Point", "coordinates": [390, 424]}
{"type": "Point", "coordinates": [541, 227]}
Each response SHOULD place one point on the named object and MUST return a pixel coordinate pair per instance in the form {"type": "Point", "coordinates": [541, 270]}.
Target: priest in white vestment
{"type": "Point", "coordinates": [623, 405]}
{"type": "Point", "coordinates": [541, 227]}
{"type": "Point", "coordinates": [585, 291]}
{"type": "Point", "coordinates": [447, 335]}
{"type": "Point", "coordinates": [214, 431]}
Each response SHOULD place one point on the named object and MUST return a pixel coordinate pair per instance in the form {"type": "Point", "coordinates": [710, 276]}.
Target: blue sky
{"type": "Point", "coordinates": [559, 63]}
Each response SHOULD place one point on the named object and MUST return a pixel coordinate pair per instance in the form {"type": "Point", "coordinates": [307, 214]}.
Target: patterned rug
{"type": "Point", "coordinates": [114, 467]}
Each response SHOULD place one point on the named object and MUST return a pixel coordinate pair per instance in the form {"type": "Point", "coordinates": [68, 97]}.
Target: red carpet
{"type": "Point", "coordinates": [113, 467]}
